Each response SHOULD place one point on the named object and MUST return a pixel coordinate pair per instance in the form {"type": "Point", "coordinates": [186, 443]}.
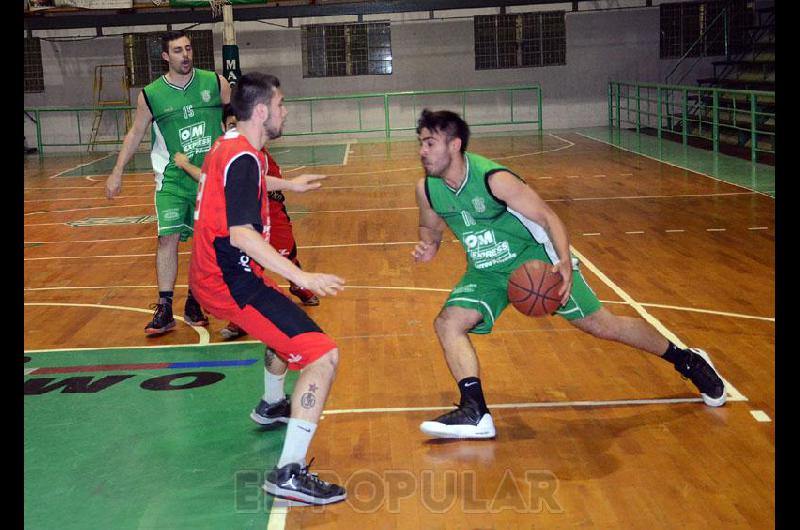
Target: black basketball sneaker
{"type": "Point", "coordinates": [193, 313]}
{"type": "Point", "coordinates": [466, 421]}
{"type": "Point", "coordinates": [697, 367]}
{"type": "Point", "coordinates": [296, 483]}
{"type": "Point", "coordinates": [163, 320]}
{"type": "Point", "coordinates": [267, 414]}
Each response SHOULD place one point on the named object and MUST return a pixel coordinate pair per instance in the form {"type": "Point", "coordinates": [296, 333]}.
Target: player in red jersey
{"type": "Point", "coordinates": [229, 254]}
{"type": "Point", "coordinates": [281, 233]}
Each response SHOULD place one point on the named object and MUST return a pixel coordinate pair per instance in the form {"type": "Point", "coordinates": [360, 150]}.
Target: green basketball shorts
{"type": "Point", "coordinates": [487, 293]}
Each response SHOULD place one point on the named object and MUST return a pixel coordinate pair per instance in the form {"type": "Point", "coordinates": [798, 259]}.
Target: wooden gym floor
{"type": "Point", "coordinates": [590, 433]}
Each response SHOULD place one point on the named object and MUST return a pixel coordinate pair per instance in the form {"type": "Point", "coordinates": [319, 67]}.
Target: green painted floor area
{"type": "Point", "coordinates": [286, 156]}
{"type": "Point", "coordinates": [103, 450]}
{"type": "Point", "coordinates": [756, 177]}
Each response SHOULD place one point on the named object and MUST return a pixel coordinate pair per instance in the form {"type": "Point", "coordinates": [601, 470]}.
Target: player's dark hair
{"type": "Point", "coordinates": [227, 112]}
{"type": "Point", "coordinates": [170, 36]}
{"type": "Point", "coordinates": [250, 90]}
{"type": "Point", "coordinates": [445, 122]}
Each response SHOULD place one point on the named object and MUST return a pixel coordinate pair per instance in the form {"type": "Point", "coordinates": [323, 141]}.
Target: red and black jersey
{"type": "Point", "coordinates": [232, 192]}
{"type": "Point", "coordinates": [277, 209]}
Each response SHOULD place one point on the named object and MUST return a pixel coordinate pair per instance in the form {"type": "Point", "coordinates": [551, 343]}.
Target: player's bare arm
{"type": "Point", "coordinates": [523, 199]}
{"type": "Point", "coordinates": [224, 90]}
{"type": "Point", "coordinates": [305, 182]}
{"type": "Point", "coordinates": [182, 161]}
{"type": "Point", "coordinates": [431, 228]}
{"type": "Point", "coordinates": [249, 241]}
{"type": "Point", "coordinates": [132, 140]}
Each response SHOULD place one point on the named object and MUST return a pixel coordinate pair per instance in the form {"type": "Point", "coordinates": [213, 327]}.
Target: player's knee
{"type": "Point", "coordinates": [329, 361]}
{"type": "Point", "coordinates": [450, 322]}
{"type": "Point", "coordinates": [601, 324]}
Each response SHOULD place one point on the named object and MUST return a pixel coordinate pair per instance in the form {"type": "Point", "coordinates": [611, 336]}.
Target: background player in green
{"type": "Point", "coordinates": [501, 223]}
{"type": "Point", "coordinates": [184, 107]}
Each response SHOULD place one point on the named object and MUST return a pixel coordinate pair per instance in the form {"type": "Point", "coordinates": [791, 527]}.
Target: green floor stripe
{"type": "Point", "coordinates": [120, 450]}
{"type": "Point", "coordinates": [756, 177]}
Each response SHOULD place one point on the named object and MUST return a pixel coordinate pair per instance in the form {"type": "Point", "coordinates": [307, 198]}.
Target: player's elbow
{"type": "Point", "coordinates": [239, 239]}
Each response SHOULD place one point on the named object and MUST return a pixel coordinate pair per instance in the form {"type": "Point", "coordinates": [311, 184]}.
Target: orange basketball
{"type": "Point", "coordinates": [533, 289]}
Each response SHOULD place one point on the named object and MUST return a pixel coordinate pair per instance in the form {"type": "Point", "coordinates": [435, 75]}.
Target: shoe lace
{"type": "Point", "coordinates": [313, 477]}
{"type": "Point", "coordinates": [159, 310]}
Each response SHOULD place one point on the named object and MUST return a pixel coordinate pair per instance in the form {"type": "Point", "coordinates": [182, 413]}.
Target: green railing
{"type": "Point", "coordinates": [322, 115]}
{"type": "Point", "coordinates": [745, 118]}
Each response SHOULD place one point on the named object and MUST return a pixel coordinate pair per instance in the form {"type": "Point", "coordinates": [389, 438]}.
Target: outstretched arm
{"type": "Point", "coordinates": [132, 140]}
{"type": "Point", "coordinates": [521, 198]}
{"type": "Point", "coordinates": [299, 184]}
{"type": "Point", "coordinates": [224, 90]}
{"type": "Point", "coordinates": [431, 227]}
{"type": "Point", "coordinates": [246, 239]}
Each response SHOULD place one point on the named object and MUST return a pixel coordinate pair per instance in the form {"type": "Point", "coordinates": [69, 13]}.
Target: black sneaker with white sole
{"type": "Point", "coordinates": [163, 320]}
{"type": "Point", "coordinates": [466, 421]}
{"type": "Point", "coordinates": [700, 370]}
{"type": "Point", "coordinates": [267, 414]}
{"type": "Point", "coordinates": [193, 313]}
{"type": "Point", "coordinates": [296, 483]}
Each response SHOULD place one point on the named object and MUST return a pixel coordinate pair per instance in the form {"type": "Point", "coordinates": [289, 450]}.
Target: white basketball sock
{"type": "Point", "coordinates": [298, 437]}
{"type": "Point", "coordinates": [273, 387]}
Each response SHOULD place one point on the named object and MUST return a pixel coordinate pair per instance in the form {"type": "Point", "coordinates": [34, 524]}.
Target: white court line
{"type": "Point", "coordinates": [87, 198]}
{"type": "Point", "coordinates": [205, 338]}
{"type": "Point", "coordinates": [733, 393]}
{"type": "Point", "coordinates": [298, 168]}
{"type": "Point", "coordinates": [80, 166]}
{"type": "Point", "coordinates": [760, 416]}
{"type": "Point", "coordinates": [409, 288]}
{"type": "Point", "coordinates": [638, 197]}
{"type": "Point", "coordinates": [636, 232]}
{"type": "Point", "coordinates": [671, 231]}
{"type": "Point", "coordinates": [150, 204]}
{"type": "Point", "coordinates": [591, 234]}
{"type": "Point", "coordinates": [89, 240]}
{"type": "Point", "coordinates": [346, 154]}
{"type": "Point", "coordinates": [92, 188]}
{"type": "Point", "coordinates": [759, 228]}
{"type": "Point", "coordinates": [277, 515]}
{"type": "Point", "coordinates": [674, 165]}
{"type": "Point", "coordinates": [530, 405]}
{"type": "Point", "coordinates": [715, 229]}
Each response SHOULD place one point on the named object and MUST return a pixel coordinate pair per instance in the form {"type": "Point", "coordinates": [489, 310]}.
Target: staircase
{"type": "Point", "coordinates": [754, 70]}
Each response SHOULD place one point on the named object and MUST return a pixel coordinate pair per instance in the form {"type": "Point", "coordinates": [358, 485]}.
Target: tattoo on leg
{"type": "Point", "coordinates": [308, 400]}
{"type": "Point", "coordinates": [269, 357]}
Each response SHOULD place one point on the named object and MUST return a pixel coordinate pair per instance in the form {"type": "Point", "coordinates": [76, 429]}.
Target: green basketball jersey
{"type": "Point", "coordinates": [185, 119]}
{"type": "Point", "coordinates": [494, 236]}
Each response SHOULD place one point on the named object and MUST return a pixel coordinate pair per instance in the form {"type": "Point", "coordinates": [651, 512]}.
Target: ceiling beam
{"type": "Point", "coordinates": [42, 20]}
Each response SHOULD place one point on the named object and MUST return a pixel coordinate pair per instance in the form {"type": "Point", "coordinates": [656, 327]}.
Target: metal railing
{"type": "Point", "coordinates": [324, 115]}
{"type": "Point", "coordinates": [745, 118]}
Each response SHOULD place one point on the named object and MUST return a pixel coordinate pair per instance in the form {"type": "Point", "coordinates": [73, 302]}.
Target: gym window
{"type": "Point", "coordinates": [682, 24]}
{"type": "Point", "coordinates": [33, 72]}
{"type": "Point", "coordinates": [331, 50]}
{"type": "Point", "coordinates": [520, 40]}
{"type": "Point", "coordinates": [143, 61]}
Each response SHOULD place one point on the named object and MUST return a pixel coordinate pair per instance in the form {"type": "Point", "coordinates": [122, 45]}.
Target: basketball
{"type": "Point", "coordinates": [533, 289]}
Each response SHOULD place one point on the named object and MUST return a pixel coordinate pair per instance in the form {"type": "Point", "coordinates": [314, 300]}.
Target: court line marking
{"type": "Point", "coordinates": [733, 393]}
{"type": "Point", "coordinates": [91, 188]}
{"type": "Point", "coordinates": [298, 168]}
{"type": "Point", "coordinates": [421, 289]}
{"type": "Point", "coordinates": [88, 198]}
{"type": "Point", "coordinates": [80, 166]}
{"type": "Point", "coordinates": [150, 204]}
{"type": "Point", "coordinates": [760, 416]}
{"type": "Point", "coordinates": [346, 154]}
{"type": "Point", "coordinates": [680, 196]}
{"type": "Point", "coordinates": [530, 405]}
{"type": "Point", "coordinates": [204, 337]}
{"type": "Point", "coordinates": [676, 165]}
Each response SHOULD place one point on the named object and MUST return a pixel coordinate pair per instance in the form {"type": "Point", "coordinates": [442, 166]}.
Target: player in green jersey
{"type": "Point", "coordinates": [183, 108]}
{"type": "Point", "coordinates": [501, 223]}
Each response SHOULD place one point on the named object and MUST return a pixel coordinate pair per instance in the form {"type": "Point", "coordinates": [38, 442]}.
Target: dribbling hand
{"type": "Point", "coordinates": [322, 284]}
{"type": "Point", "coordinates": [424, 251]}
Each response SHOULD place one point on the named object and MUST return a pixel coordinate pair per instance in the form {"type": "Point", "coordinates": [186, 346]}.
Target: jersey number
{"type": "Point", "coordinates": [188, 112]}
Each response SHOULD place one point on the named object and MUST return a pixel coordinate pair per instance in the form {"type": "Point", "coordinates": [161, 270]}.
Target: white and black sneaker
{"type": "Point", "coordinates": [296, 483]}
{"type": "Point", "coordinates": [466, 421]}
{"type": "Point", "coordinates": [700, 370]}
{"type": "Point", "coordinates": [267, 414]}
